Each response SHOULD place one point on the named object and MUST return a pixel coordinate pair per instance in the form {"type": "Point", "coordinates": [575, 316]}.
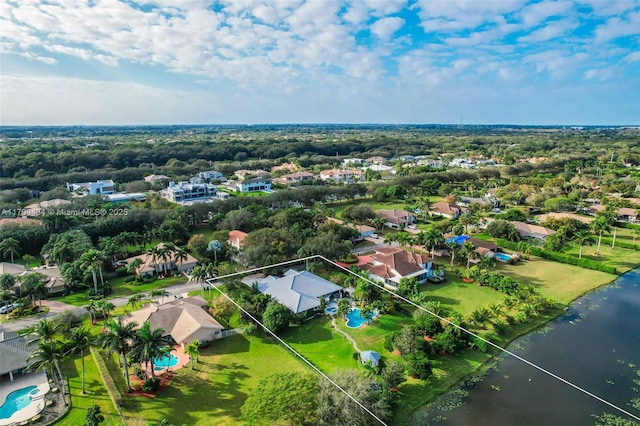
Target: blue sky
{"type": "Point", "coordinates": [321, 61]}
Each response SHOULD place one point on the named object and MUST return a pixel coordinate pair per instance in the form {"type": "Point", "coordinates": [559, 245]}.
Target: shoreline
{"type": "Point", "coordinates": [495, 353]}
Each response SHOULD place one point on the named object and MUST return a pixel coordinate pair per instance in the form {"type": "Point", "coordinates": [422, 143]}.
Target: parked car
{"type": "Point", "coordinates": [375, 236]}
{"type": "Point", "coordinates": [7, 308]}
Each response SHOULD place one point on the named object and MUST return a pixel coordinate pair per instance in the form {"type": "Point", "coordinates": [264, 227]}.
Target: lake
{"type": "Point", "coordinates": [595, 345]}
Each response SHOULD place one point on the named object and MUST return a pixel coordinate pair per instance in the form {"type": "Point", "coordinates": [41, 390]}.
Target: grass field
{"type": "Point", "coordinates": [121, 288]}
{"type": "Point", "coordinates": [559, 281]}
{"type": "Point", "coordinates": [215, 390]}
{"type": "Point", "coordinates": [623, 259]}
{"type": "Point", "coordinates": [339, 207]}
{"type": "Point", "coordinates": [459, 296]}
{"type": "Point", "coordinates": [96, 393]}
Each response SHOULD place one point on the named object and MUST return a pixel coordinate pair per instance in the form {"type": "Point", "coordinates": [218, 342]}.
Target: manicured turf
{"type": "Point", "coordinates": [623, 259]}
{"type": "Point", "coordinates": [96, 393]}
{"type": "Point", "coordinates": [371, 336]}
{"type": "Point", "coordinates": [322, 345]}
{"type": "Point", "coordinates": [214, 392]}
{"type": "Point", "coordinates": [459, 296]}
{"type": "Point", "coordinates": [559, 281]}
{"type": "Point", "coordinates": [121, 288]}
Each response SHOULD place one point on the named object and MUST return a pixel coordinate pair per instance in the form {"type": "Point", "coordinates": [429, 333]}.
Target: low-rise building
{"type": "Point", "coordinates": [390, 264]}
{"type": "Point", "coordinates": [210, 175]}
{"type": "Point", "coordinates": [187, 191]}
{"type": "Point", "coordinates": [155, 178]}
{"type": "Point", "coordinates": [342, 176]}
{"type": "Point", "coordinates": [160, 265]}
{"type": "Point", "coordinates": [253, 185]}
{"type": "Point", "coordinates": [101, 187]}
{"type": "Point", "coordinates": [396, 219]}
{"type": "Point", "coordinates": [448, 210]}
{"type": "Point", "coordinates": [295, 178]}
{"type": "Point", "coordinates": [527, 230]}
{"type": "Point", "coordinates": [236, 239]}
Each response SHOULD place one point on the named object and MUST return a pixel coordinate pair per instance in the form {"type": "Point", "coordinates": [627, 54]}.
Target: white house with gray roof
{"type": "Point", "coordinates": [14, 351]}
{"type": "Point", "coordinates": [299, 291]}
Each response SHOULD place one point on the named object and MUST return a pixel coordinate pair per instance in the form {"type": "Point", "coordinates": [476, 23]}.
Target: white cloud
{"type": "Point", "coordinates": [632, 57]}
{"type": "Point", "coordinates": [550, 31]}
{"type": "Point", "coordinates": [618, 27]}
{"type": "Point", "coordinates": [457, 15]}
{"type": "Point", "coordinates": [537, 13]}
{"type": "Point", "coordinates": [386, 27]}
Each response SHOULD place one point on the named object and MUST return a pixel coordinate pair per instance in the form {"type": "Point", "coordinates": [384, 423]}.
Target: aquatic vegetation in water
{"type": "Point", "coordinates": [439, 418]}
{"type": "Point", "coordinates": [632, 365]}
{"type": "Point", "coordinates": [635, 403]}
{"type": "Point", "coordinates": [506, 376]}
{"type": "Point", "coordinates": [607, 419]}
{"type": "Point", "coordinates": [495, 388]}
{"type": "Point", "coordinates": [610, 382]}
{"type": "Point", "coordinates": [451, 400]}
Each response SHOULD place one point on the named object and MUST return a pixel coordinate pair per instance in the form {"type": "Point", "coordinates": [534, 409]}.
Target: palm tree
{"type": "Point", "coordinates": [105, 307]}
{"type": "Point", "coordinates": [134, 265]}
{"type": "Point", "coordinates": [404, 239]}
{"type": "Point", "coordinates": [158, 294]}
{"type": "Point", "coordinates": [47, 356]}
{"type": "Point", "coordinates": [192, 350]}
{"type": "Point", "coordinates": [487, 262]}
{"type": "Point", "coordinates": [598, 226]}
{"type": "Point", "coordinates": [199, 274]}
{"type": "Point", "coordinates": [181, 255]}
{"type": "Point", "coordinates": [80, 340]}
{"type": "Point", "coordinates": [582, 238]}
{"type": "Point", "coordinates": [154, 254]}
{"type": "Point", "coordinates": [118, 338]}
{"type": "Point", "coordinates": [453, 249]}
{"type": "Point", "coordinates": [135, 300]}
{"type": "Point", "coordinates": [467, 251]}
{"type": "Point", "coordinates": [92, 260]}
{"type": "Point", "coordinates": [44, 330]}
{"type": "Point", "coordinates": [7, 281]}
{"type": "Point", "coordinates": [433, 239]}
{"type": "Point", "coordinates": [10, 247]}
{"type": "Point", "coordinates": [391, 238]}
{"type": "Point", "coordinates": [148, 344]}
{"type": "Point", "coordinates": [166, 254]}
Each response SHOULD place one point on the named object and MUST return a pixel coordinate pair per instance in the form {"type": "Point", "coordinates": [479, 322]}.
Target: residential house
{"type": "Point", "coordinates": [347, 162]}
{"type": "Point", "coordinates": [12, 268]}
{"type": "Point", "coordinates": [553, 215]}
{"type": "Point", "coordinates": [54, 283]}
{"type": "Point", "coordinates": [396, 219]}
{"type": "Point", "coordinates": [295, 178]}
{"type": "Point", "coordinates": [363, 230]}
{"type": "Point", "coordinates": [161, 265]}
{"type": "Point", "coordinates": [342, 176]}
{"type": "Point", "coordinates": [184, 320]}
{"type": "Point", "coordinates": [14, 353]}
{"type": "Point", "coordinates": [288, 167]}
{"type": "Point", "coordinates": [19, 222]}
{"type": "Point", "coordinates": [406, 158]}
{"type": "Point", "coordinates": [484, 201]}
{"type": "Point", "coordinates": [527, 230]}
{"type": "Point", "coordinates": [42, 207]}
{"type": "Point", "coordinates": [236, 239]}
{"type": "Point", "coordinates": [484, 248]}
{"type": "Point", "coordinates": [382, 168]}
{"type": "Point", "coordinates": [101, 187]}
{"type": "Point", "coordinates": [185, 191]}
{"type": "Point", "coordinates": [430, 162]}
{"type": "Point", "coordinates": [376, 160]}
{"type": "Point", "coordinates": [301, 292]}
{"type": "Point", "coordinates": [122, 197]}
{"type": "Point", "coordinates": [253, 185]}
{"type": "Point", "coordinates": [210, 175]}
{"type": "Point", "coordinates": [448, 210]}
{"type": "Point", "coordinates": [391, 264]}
{"type": "Point", "coordinates": [155, 178]}
{"type": "Point", "coordinates": [623, 214]}
{"type": "Point", "coordinates": [243, 173]}
{"type": "Point", "coordinates": [371, 358]}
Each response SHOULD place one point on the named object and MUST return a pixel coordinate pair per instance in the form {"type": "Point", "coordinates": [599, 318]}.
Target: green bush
{"type": "Point", "coordinates": [130, 279]}
{"type": "Point", "coordinates": [562, 258]}
{"type": "Point", "coordinates": [500, 327]}
{"type": "Point", "coordinates": [621, 244]}
{"type": "Point", "coordinates": [151, 384]}
{"type": "Point", "coordinates": [121, 272]}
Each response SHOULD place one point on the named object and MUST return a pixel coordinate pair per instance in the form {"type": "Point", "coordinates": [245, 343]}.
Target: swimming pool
{"type": "Point", "coordinates": [503, 257]}
{"type": "Point", "coordinates": [168, 360]}
{"type": "Point", "coordinates": [16, 401]}
{"type": "Point", "coordinates": [355, 320]}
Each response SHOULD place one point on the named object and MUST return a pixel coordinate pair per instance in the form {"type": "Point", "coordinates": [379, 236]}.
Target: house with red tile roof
{"type": "Point", "coordinates": [390, 264]}
{"type": "Point", "coordinates": [236, 239]}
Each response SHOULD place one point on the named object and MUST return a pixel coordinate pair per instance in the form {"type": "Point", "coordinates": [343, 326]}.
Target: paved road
{"type": "Point", "coordinates": [56, 307]}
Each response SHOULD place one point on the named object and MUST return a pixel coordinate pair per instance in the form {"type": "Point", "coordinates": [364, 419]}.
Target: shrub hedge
{"type": "Point", "coordinates": [621, 244]}
{"type": "Point", "coordinates": [562, 258]}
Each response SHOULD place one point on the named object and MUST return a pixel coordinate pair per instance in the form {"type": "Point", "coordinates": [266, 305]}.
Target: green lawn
{"type": "Point", "coordinates": [96, 393]}
{"type": "Point", "coordinates": [214, 392]}
{"type": "Point", "coordinates": [322, 345]}
{"type": "Point", "coordinates": [623, 259]}
{"type": "Point", "coordinates": [339, 207]}
{"type": "Point", "coordinates": [120, 288]}
{"type": "Point", "coordinates": [559, 281]}
{"type": "Point", "coordinates": [459, 296]}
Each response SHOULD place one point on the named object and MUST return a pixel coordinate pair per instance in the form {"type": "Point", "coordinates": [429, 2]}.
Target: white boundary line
{"type": "Point", "coordinates": [537, 367]}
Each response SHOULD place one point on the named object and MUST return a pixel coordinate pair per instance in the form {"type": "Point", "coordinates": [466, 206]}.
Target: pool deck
{"type": "Point", "coordinates": [183, 360]}
{"type": "Point", "coordinates": [21, 382]}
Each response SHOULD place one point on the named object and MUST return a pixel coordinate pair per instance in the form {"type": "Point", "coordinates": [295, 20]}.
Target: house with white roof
{"type": "Point", "coordinates": [342, 176]}
{"type": "Point", "coordinates": [187, 191]}
{"type": "Point", "coordinates": [101, 187]}
{"type": "Point", "coordinates": [210, 175]}
{"type": "Point", "coordinates": [299, 291]}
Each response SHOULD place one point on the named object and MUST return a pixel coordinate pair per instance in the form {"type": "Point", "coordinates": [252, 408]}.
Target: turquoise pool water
{"type": "Point", "coordinates": [168, 360]}
{"type": "Point", "coordinates": [503, 257]}
{"type": "Point", "coordinates": [354, 320]}
{"type": "Point", "coordinates": [16, 401]}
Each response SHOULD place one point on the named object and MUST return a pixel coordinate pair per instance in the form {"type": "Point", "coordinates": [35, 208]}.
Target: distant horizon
{"type": "Point", "coordinates": [318, 124]}
{"type": "Point", "coordinates": [537, 62]}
